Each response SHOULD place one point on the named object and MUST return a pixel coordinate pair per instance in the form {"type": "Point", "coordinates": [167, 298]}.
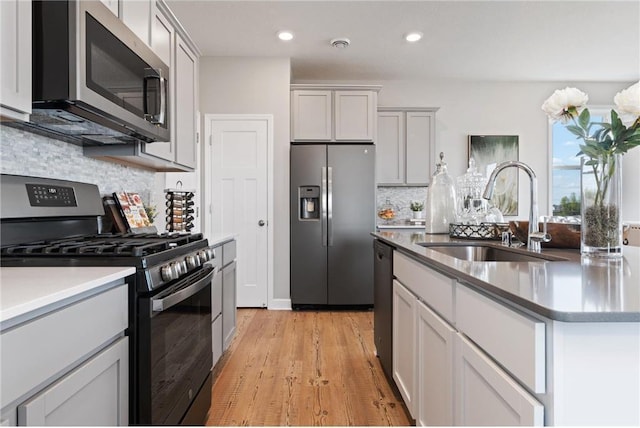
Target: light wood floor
{"type": "Point", "coordinates": [303, 368]}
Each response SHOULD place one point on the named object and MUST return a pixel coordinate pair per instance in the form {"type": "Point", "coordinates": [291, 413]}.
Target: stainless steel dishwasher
{"type": "Point", "coordinates": [383, 303]}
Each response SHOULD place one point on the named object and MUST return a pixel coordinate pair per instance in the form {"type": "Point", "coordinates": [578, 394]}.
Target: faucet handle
{"type": "Point", "coordinates": [546, 237]}
{"type": "Point", "coordinates": [543, 236]}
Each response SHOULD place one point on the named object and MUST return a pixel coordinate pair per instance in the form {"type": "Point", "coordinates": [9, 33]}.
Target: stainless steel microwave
{"type": "Point", "coordinates": [94, 80]}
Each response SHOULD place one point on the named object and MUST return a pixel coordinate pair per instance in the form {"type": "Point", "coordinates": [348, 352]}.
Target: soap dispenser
{"type": "Point", "coordinates": [441, 200]}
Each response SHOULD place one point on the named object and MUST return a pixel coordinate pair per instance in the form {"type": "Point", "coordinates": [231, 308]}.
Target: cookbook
{"type": "Point", "coordinates": [133, 212]}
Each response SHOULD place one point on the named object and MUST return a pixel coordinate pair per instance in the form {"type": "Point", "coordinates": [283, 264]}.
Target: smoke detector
{"type": "Point", "coordinates": [340, 43]}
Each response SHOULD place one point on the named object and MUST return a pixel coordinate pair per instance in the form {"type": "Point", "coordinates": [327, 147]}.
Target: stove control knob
{"type": "Point", "coordinates": [203, 256]}
{"type": "Point", "coordinates": [181, 267]}
{"type": "Point", "coordinates": [192, 261]}
{"type": "Point", "coordinates": [168, 273]}
{"type": "Point", "coordinates": [211, 253]}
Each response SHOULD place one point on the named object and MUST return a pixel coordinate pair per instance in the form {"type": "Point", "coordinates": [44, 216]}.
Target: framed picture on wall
{"type": "Point", "coordinates": [490, 150]}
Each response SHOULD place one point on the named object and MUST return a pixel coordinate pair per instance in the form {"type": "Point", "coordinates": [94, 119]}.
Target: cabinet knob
{"type": "Point", "coordinates": [261, 223]}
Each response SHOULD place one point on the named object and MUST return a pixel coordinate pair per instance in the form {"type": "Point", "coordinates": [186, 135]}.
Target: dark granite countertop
{"type": "Point", "coordinates": [575, 290]}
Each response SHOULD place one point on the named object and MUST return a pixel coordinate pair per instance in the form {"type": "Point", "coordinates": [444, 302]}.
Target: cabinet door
{"type": "Point", "coordinates": [137, 15]}
{"type": "Point", "coordinates": [162, 43]}
{"type": "Point", "coordinates": [311, 115]}
{"type": "Point", "coordinates": [15, 72]}
{"type": "Point", "coordinates": [185, 103]}
{"type": "Point", "coordinates": [404, 344]}
{"type": "Point", "coordinates": [228, 303]}
{"type": "Point", "coordinates": [419, 130]}
{"type": "Point", "coordinates": [390, 148]}
{"type": "Point", "coordinates": [487, 395]}
{"type": "Point", "coordinates": [94, 394]}
{"type": "Point", "coordinates": [112, 5]}
{"type": "Point", "coordinates": [435, 369]}
{"type": "Point", "coordinates": [355, 115]}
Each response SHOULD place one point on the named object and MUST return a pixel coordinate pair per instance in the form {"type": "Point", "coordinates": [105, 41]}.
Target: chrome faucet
{"type": "Point", "coordinates": [535, 236]}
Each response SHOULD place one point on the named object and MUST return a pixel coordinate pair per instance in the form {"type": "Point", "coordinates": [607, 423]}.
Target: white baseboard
{"type": "Point", "coordinates": [280, 305]}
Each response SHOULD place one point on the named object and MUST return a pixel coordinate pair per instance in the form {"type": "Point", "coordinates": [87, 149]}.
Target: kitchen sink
{"type": "Point", "coordinates": [487, 253]}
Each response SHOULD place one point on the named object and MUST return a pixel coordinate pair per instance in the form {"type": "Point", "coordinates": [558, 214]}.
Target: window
{"type": "Point", "coordinates": [564, 183]}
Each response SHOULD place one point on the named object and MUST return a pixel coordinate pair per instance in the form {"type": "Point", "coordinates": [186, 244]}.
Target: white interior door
{"type": "Point", "coordinates": [236, 173]}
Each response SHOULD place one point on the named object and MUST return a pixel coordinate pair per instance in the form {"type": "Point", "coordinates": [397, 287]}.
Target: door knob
{"type": "Point", "coordinates": [261, 223]}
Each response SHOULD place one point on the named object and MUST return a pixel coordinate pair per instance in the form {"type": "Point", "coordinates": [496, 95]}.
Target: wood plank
{"type": "Point", "coordinates": [303, 368]}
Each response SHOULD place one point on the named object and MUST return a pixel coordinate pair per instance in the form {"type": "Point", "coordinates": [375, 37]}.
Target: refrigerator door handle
{"type": "Point", "coordinates": [323, 207]}
{"type": "Point", "coordinates": [330, 206]}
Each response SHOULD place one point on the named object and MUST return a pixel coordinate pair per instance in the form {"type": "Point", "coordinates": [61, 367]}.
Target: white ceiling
{"type": "Point", "coordinates": [472, 40]}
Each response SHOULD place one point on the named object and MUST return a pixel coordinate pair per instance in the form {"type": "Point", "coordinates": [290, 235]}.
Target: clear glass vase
{"type": "Point", "coordinates": [601, 202]}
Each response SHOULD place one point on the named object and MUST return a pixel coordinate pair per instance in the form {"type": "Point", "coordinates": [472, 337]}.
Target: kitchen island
{"type": "Point", "coordinates": [515, 342]}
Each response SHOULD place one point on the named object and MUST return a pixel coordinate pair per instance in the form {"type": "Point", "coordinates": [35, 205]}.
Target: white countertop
{"type": "Point", "coordinates": [221, 238]}
{"type": "Point", "coordinates": [35, 290]}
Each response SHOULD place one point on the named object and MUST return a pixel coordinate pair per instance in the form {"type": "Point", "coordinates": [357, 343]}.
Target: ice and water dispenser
{"type": "Point", "coordinates": [309, 202]}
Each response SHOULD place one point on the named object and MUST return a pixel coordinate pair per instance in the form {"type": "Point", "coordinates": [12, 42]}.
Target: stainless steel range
{"type": "Point", "coordinates": [46, 222]}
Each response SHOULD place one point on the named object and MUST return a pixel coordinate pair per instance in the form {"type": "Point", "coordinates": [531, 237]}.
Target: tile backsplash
{"type": "Point", "coordinates": [400, 198]}
{"type": "Point", "coordinates": [25, 153]}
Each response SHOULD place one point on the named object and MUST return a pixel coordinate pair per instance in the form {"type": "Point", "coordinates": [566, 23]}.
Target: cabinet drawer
{"type": "Point", "coordinates": [487, 396]}
{"type": "Point", "coordinates": [431, 287]}
{"type": "Point", "coordinates": [216, 295]}
{"type": "Point", "coordinates": [228, 252]}
{"type": "Point", "coordinates": [515, 341]}
{"type": "Point", "coordinates": [39, 350]}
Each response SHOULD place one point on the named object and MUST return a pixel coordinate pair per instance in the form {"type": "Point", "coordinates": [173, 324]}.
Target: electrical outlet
{"type": "Point", "coordinates": [631, 236]}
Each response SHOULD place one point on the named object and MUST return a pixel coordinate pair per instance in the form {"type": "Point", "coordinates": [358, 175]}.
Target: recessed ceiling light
{"type": "Point", "coordinates": [413, 36]}
{"type": "Point", "coordinates": [285, 35]}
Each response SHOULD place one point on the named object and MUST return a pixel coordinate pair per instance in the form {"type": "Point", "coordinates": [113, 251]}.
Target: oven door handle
{"type": "Point", "coordinates": [159, 305]}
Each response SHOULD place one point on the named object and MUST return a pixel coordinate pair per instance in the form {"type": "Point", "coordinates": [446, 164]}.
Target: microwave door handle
{"type": "Point", "coordinates": [159, 305]}
{"type": "Point", "coordinates": [157, 118]}
{"type": "Point", "coordinates": [163, 102]}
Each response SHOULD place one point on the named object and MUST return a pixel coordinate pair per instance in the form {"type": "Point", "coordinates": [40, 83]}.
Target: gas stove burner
{"type": "Point", "coordinates": [134, 245]}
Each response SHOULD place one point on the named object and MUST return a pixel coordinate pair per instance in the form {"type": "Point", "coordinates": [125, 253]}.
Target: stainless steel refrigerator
{"type": "Point", "coordinates": [332, 216]}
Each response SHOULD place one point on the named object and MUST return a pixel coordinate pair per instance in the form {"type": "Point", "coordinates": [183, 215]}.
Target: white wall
{"type": "Point", "coordinates": [234, 85]}
{"type": "Point", "coordinates": [500, 108]}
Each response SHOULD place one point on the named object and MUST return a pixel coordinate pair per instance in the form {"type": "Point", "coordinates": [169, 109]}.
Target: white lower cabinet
{"type": "Point", "coordinates": [487, 395]}
{"type": "Point", "coordinates": [69, 366]}
{"type": "Point", "coordinates": [229, 304]}
{"type": "Point", "coordinates": [94, 394]}
{"type": "Point", "coordinates": [216, 315]}
{"type": "Point", "coordinates": [435, 369]}
{"type": "Point", "coordinates": [444, 378]}
{"type": "Point", "coordinates": [404, 344]}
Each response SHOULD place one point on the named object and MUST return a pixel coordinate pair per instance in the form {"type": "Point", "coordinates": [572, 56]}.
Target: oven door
{"type": "Point", "coordinates": [173, 347]}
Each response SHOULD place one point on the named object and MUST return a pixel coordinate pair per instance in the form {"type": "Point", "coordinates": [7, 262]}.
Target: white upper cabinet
{"type": "Point", "coordinates": [138, 16]}
{"type": "Point", "coordinates": [333, 114]}
{"type": "Point", "coordinates": [173, 48]}
{"type": "Point", "coordinates": [405, 145]}
{"type": "Point", "coordinates": [15, 67]}
{"type": "Point", "coordinates": [112, 5]}
{"type": "Point", "coordinates": [162, 43]}
{"type": "Point", "coordinates": [185, 102]}
{"type": "Point", "coordinates": [355, 115]}
{"type": "Point", "coordinates": [311, 115]}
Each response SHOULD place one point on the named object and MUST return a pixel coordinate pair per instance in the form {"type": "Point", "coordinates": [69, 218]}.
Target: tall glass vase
{"type": "Point", "coordinates": [601, 192]}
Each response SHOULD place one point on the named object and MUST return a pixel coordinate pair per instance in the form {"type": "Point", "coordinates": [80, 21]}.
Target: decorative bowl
{"type": "Point", "coordinates": [563, 235]}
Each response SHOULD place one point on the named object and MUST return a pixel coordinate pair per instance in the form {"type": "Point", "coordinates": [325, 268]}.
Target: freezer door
{"type": "Point", "coordinates": [351, 202]}
{"type": "Point", "coordinates": [308, 235]}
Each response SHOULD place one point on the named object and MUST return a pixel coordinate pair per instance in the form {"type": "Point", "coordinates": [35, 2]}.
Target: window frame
{"type": "Point", "coordinates": [598, 110]}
